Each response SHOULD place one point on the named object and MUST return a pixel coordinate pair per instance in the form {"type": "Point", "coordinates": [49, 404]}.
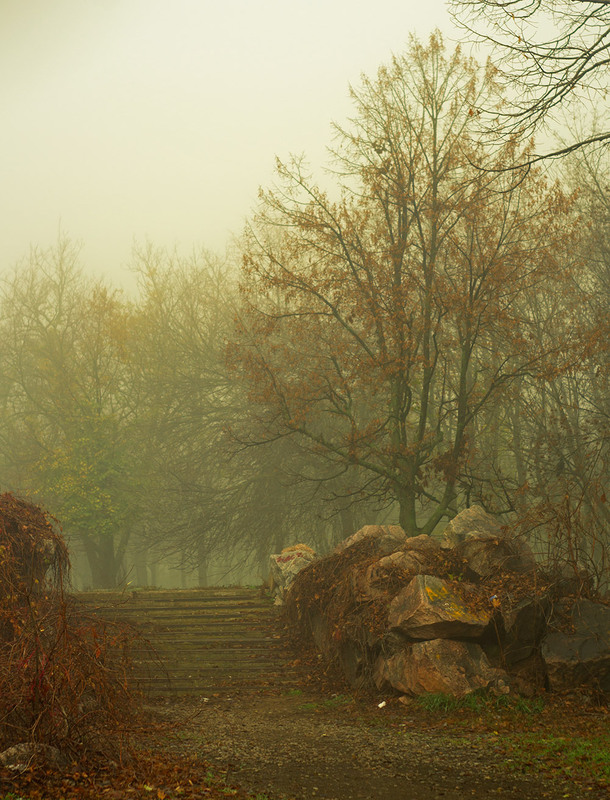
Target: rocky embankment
{"type": "Point", "coordinates": [469, 612]}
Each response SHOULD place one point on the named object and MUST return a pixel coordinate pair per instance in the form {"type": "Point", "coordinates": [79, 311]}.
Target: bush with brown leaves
{"type": "Point", "coordinates": [63, 675]}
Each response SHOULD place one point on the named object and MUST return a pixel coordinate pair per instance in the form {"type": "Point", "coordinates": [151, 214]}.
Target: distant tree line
{"type": "Point", "coordinates": [429, 332]}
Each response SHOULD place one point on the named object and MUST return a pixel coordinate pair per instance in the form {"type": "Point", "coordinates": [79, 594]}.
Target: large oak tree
{"type": "Point", "coordinates": [382, 317]}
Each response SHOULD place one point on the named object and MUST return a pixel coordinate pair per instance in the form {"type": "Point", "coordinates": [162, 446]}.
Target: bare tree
{"type": "Point", "coordinates": [377, 328]}
{"type": "Point", "coordinates": [209, 501]}
{"type": "Point", "coordinates": [64, 429]}
{"type": "Point", "coordinates": [554, 53]}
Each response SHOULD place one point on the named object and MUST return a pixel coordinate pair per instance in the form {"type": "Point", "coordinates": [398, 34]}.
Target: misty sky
{"type": "Point", "coordinates": [135, 119]}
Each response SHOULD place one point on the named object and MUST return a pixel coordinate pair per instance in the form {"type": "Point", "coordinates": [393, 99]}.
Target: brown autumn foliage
{"type": "Point", "coordinates": [384, 324]}
{"type": "Point", "coordinates": [62, 675]}
{"type": "Point", "coordinates": [159, 775]}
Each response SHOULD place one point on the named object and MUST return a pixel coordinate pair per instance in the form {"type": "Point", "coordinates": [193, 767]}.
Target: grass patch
{"type": "Point", "coordinates": [580, 758]}
{"type": "Point", "coordinates": [216, 780]}
{"type": "Point", "coordinates": [561, 743]}
{"type": "Point", "coordinates": [337, 700]}
{"type": "Point", "coordinates": [264, 797]}
{"type": "Point", "coordinates": [479, 703]}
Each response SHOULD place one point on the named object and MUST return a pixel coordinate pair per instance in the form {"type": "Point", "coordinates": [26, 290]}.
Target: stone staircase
{"type": "Point", "coordinates": [199, 641]}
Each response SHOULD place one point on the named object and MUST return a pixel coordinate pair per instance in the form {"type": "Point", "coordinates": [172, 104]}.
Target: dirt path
{"type": "Point", "coordinates": [272, 725]}
{"type": "Point", "coordinates": [309, 745]}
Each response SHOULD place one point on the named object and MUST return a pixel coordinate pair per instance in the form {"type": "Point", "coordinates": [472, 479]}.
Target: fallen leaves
{"type": "Point", "coordinates": [159, 776]}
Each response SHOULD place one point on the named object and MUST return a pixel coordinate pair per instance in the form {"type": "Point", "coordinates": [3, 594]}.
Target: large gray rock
{"type": "Point", "coordinates": [484, 546]}
{"type": "Point", "coordinates": [579, 655]}
{"type": "Point", "coordinates": [473, 520]}
{"type": "Point", "coordinates": [440, 665]}
{"type": "Point", "coordinates": [429, 608]}
{"type": "Point", "coordinates": [20, 757]}
{"type": "Point", "coordinates": [412, 559]}
{"type": "Point", "coordinates": [285, 566]}
{"type": "Point", "coordinates": [411, 562]}
{"type": "Point", "coordinates": [488, 555]}
{"type": "Point", "coordinates": [413, 556]}
{"type": "Point", "coordinates": [387, 538]}
{"type": "Point", "coordinates": [528, 677]}
{"type": "Point", "coordinates": [422, 544]}
{"type": "Point", "coordinates": [353, 663]}
{"type": "Point", "coordinates": [571, 580]}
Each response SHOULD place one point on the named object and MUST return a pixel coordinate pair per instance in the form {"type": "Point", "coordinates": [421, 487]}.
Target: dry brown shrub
{"type": "Point", "coordinates": [328, 589]}
{"type": "Point", "coordinates": [63, 676]}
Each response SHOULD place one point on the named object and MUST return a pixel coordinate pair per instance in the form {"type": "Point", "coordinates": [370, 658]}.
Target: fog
{"type": "Point", "coordinates": [139, 119]}
{"type": "Point", "coordinates": [414, 341]}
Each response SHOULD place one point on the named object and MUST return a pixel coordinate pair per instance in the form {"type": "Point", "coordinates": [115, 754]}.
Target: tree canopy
{"type": "Point", "coordinates": [425, 330]}
{"type": "Point", "coordinates": [554, 53]}
{"type": "Point", "coordinates": [381, 322]}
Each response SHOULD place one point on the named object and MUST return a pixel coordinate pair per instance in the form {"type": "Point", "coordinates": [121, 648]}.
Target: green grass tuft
{"type": "Point", "coordinates": [479, 702]}
{"type": "Point", "coordinates": [337, 700]}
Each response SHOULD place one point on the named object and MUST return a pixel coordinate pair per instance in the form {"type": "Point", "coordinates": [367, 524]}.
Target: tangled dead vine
{"type": "Point", "coordinates": [63, 675]}
{"type": "Point", "coordinates": [328, 589]}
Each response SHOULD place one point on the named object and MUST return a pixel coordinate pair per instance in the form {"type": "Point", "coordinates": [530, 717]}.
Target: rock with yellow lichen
{"type": "Point", "coordinates": [430, 608]}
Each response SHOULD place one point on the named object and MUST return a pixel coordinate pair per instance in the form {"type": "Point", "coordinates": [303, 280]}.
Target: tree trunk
{"type": "Point", "coordinates": [407, 517]}
{"type": "Point", "coordinates": [140, 559]}
{"type": "Point", "coordinates": [202, 564]}
{"type": "Point", "coordinates": [347, 522]}
{"type": "Point", "coordinates": [102, 561]}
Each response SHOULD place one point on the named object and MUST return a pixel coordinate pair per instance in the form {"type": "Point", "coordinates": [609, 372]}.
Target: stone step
{"type": "Point", "coordinates": [225, 660]}
{"type": "Point", "coordinates": [181, 596]}
{"type": "Point", "coordinates": [147, 647]}
{"type": "Point", "coordinates": [222, 639]}
{"type": "Point", "coordinates": [197, 640]}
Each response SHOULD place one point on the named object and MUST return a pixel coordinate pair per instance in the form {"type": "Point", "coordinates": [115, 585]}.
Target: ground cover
{"type": "Point", "coordinates": [158, 776]}
{"type": "Point", "coordinates": [321, 740]}
{"type": "Point", "coordinates": [315, 745]}
{"type": "Point", "coordinates": [315, 737]}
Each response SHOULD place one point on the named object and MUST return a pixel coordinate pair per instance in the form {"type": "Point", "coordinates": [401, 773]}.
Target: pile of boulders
{"type": "Point", "coordinates": [467, 612]}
